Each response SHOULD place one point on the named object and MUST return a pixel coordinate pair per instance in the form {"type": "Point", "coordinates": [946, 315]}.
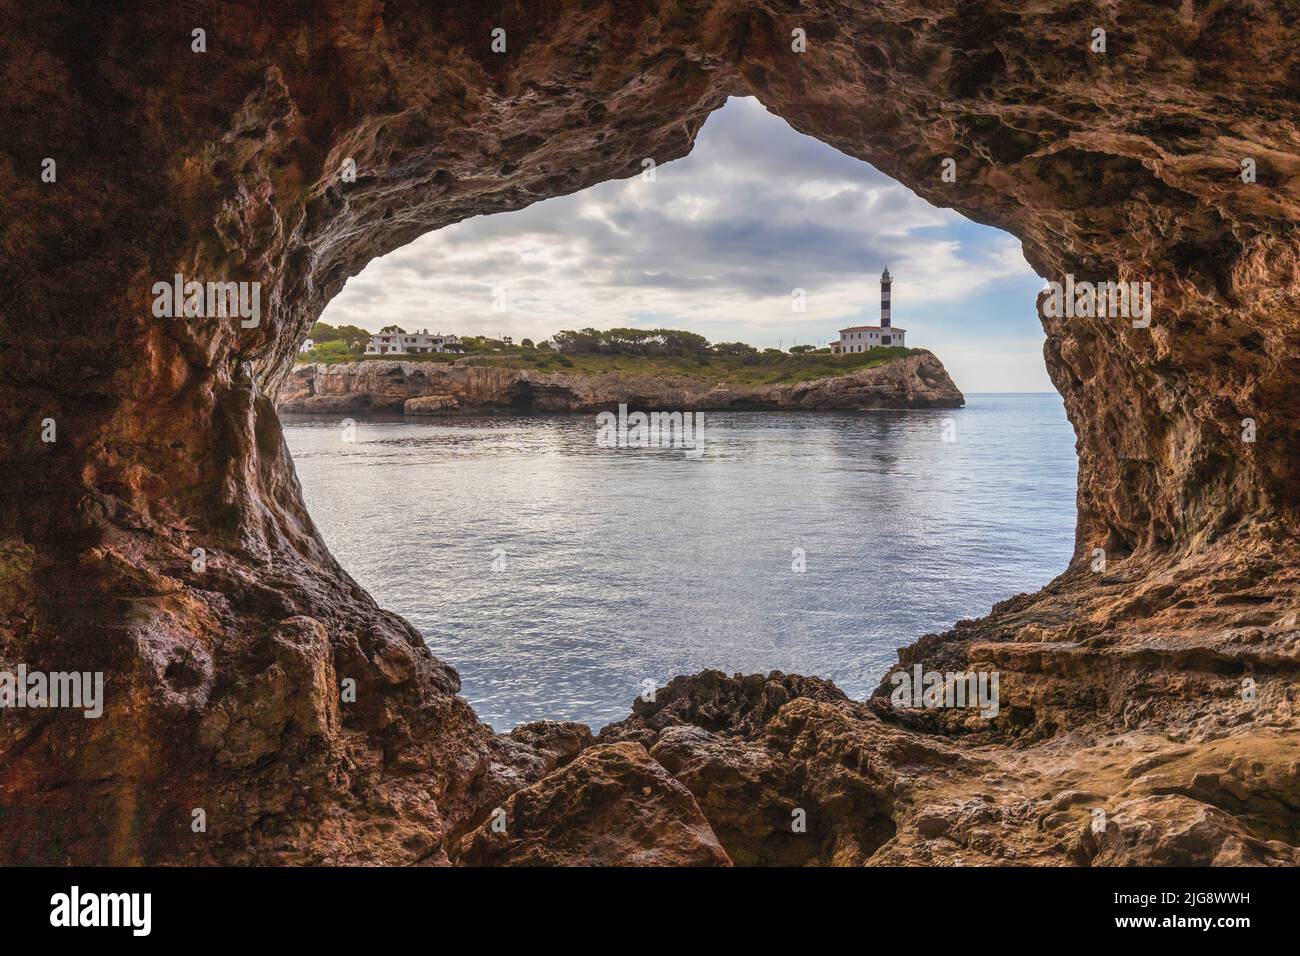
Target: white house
{"type": "Point", "coordinates": [860, 338]}
{"type": "Point", "coordinates": [307, 345]}
{"type": "Point", "coordinates": [406, 343]}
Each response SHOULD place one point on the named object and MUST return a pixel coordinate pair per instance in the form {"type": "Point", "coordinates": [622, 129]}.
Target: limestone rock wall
{"type": "Point", "coordinates": [423, 388]}
{"type": "Point", "coordinates": [224, 165]}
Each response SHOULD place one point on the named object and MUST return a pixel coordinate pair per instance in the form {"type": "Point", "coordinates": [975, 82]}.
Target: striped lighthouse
{"type": "Point", "coordinates": [863, 338]}
{"type": "Point", "coordinates": [886, 280]}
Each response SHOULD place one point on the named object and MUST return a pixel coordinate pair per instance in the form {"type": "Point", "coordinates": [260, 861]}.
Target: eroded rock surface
{"type": "Point", "coordinates": [612, 806]}
{"type": "Point", "coordinates": [161, 537]}
{"type": "Point", "coordinates": [788, 771]}
{"type": "Point", "coordinates": [1173, 830]}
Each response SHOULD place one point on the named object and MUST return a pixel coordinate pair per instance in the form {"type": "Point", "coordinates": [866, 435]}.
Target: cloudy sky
{"type": "Point", "coordinates": [716, 244]}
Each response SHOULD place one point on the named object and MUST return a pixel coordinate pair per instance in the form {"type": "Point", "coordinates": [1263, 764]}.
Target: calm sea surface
{"type": "Point", "coordinates": [558, 576]}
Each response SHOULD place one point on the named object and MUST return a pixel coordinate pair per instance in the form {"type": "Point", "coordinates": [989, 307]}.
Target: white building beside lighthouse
{"type": "Point", "coordinates": [860, 338]}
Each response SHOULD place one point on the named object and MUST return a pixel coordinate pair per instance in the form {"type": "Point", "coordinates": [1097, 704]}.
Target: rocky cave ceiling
{"type": "Point", "coordinates": [224, 165]}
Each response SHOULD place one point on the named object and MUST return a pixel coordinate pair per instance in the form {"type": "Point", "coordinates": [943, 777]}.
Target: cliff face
{"type": "Point", "coordinates": [421, 388]}
{"type": "Point", "coordinates": [152, 528]}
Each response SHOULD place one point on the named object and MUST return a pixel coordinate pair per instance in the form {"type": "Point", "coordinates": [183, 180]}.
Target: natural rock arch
{"type": "Point", "coordinates": [223, 165]}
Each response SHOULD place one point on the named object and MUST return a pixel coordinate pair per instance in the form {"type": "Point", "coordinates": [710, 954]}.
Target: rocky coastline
{"type": "Point", "coordinates": [426, 388]}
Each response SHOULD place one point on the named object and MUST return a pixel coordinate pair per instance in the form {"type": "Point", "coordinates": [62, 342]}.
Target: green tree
{"type": "Point", "coordinates": [677, 342]}
{"type": "Point", "coordinates": [473, 344]}
{"type": "Point", "coordinates": [583, 342]}
{"type": "Point", "coordinates": [734, 348]}
{"type": "Point", "coordinates": [323, 332]}
{"type": "Point", "coordinates": [328, 350]}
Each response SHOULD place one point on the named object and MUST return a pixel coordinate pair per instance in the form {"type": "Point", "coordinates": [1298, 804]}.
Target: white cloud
{"type": "Point", "coordinates": [715, 245]}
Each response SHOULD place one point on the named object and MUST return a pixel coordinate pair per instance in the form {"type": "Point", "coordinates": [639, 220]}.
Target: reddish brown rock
{"type": "Point", "coordinates": [787, 769]}
{"type": "Point", "coordinates": [807, 793]}
{"type": "Point", "coordinates": [558, 740]}
{"type": "Point", "coordinates": [1174, 830]}
{"type": "Point", "coordinates": [739, 705]}
{"type": "Point", "coordinates": [225, 166]}
{"type": "Point", "coordinates": [748, 793]}
{"type": "Point", "coordinates": [612, 806]}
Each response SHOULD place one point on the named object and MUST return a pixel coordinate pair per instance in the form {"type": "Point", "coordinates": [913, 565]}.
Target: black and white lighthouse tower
{"type": "Point", "coordinates": [863, 338]}
{"type": "Point", "coordinates": [886, 280]}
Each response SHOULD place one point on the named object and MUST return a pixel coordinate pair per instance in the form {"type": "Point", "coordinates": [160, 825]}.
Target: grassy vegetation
{"type": "Point", "coordinates": [766, 368]}
{"type": "Point", "coordinates": [621, 351]}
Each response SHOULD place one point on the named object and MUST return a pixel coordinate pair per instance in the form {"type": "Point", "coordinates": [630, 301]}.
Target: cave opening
{"type": "Point", "coordinates": [563, 583]}
{"type": "Point", "coordinates": [154, 526]}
